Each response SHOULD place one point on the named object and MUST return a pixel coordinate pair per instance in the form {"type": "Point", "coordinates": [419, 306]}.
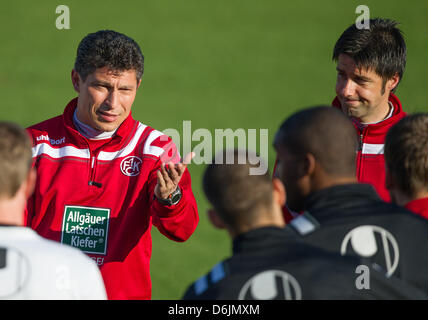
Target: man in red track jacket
{"type": "Point", "coordinates": [105, 178]}
{"type": "Point", "coordinates": [406, 156]}
{"type": "Point", "coordinates": [370, 65]}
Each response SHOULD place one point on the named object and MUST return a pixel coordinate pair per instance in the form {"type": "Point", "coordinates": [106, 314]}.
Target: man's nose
{"type": "Point", "coordinates": [112, 99]}
{"type": "Point", "coordinates": [348, 88]}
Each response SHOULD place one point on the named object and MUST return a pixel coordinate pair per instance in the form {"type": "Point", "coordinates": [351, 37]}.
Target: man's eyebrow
{"type": "Point", "coordinates": [363, 78]}
{"type": "Point", "coordinates": [356, 76]}
{"type": "Point", "coordinates": [101, 83]}
{"type": "Point", "coordinates": [108, 85]}
{"type": "Point", "coordinates": [126, 86]}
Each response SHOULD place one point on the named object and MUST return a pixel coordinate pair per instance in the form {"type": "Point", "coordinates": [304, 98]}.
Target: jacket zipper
{"type": "Point", "coordinates": [92, 160]}
{"type": "Point", "coordinates": [360, 154]}
{"type": "Point", "coordinates": [92, 173]}
{"type": "Point", "coordinates": [360, 143]}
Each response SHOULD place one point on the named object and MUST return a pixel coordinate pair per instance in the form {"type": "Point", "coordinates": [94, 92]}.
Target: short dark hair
{"type": "Point", "coordinates": [325, 132]}
{"type": "Point", "coordinates": [15, 158]}
{"type": "Point", "coordinates": [381, 48]}
{"type": "Point", "coordinates": [235, 194]}
{"type": "Point", "coordinates": [406, 153]}
{"type": "Point", "coordinates": [107, 48]}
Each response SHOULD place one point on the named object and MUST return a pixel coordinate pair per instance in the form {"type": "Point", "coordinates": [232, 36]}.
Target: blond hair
{"type": "Point", "coordinates": [15, 158]}
{"type": "Point", "coordinates": [406, 153]}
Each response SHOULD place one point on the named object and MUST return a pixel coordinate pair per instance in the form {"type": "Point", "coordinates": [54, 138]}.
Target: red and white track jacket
{"type": "Point", "coordinates": [370, 159]}
{"type": "Point", "coordinates": [98, 196]}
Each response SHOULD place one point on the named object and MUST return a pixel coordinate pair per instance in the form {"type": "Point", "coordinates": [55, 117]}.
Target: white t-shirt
{"type": "Point", "coordinates": [32, 267]}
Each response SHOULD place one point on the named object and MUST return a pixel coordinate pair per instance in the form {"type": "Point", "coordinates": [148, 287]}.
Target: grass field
{"type": "Point", "coordinates": [221, 64]}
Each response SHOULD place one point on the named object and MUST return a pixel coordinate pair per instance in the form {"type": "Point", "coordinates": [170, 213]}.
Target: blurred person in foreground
{"type": "Point", "coordinates": [316, 150]}
{"type": "Point", "coordinates": [32, 267]}
{"type": "Point", "coordinates": [406, 157]}
{"type": "Point", "coordinates": [267, 263]}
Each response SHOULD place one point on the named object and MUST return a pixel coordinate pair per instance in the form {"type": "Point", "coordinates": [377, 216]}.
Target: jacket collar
{"type": "Point", "coordinates": [419, 206]}
{"type": "Point", "coordinates": [123, 131]}
{"type": "Point", "coordinates": [398, 113]}
{"type": "Point", "coordinates": [259, 239]}
{"type": "Point", "coordinates": [340, 197]}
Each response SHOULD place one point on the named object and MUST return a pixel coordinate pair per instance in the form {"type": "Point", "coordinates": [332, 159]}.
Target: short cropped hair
{"type": "Point", "coordinates": [325, 132]}
{"type": "Point", "coordinates": [111, 49]}
{"type": "Point", "coordinates": [235, 194]}
{"type": "Point", "coordinates": [15, 158]}
{"type": "Point", "coordinates": [406, 153]}
{"type": "Point", "coordinates": [381, 48]}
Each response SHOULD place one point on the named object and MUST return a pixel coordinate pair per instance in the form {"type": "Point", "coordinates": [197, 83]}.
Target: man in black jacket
{"type": "Point", "coordinates": [316, 149]}
{"type": "Point", "coordinates": [267, 263]}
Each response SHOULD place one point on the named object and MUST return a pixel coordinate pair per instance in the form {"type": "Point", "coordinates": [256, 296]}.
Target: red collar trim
{"type": "Point", "coordinates": [418, 205]}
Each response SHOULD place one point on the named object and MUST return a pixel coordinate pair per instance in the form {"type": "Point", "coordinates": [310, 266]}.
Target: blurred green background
{"type": "Point", "coordinates": [221, 64]}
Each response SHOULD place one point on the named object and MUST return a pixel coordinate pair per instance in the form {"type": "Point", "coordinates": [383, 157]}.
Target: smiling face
{"type": "Point", "coordinates": [105, 97]}
{"type": "Point", "coordinates": [362, 93]}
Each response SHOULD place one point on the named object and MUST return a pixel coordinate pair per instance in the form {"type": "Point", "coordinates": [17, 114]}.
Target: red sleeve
{"type": "Point", "coordinates": [177, 222]}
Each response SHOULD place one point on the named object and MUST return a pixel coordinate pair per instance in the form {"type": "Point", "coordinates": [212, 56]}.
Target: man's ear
{"type": "Point", "coordinates": [30, 182]}
{"type": "Point", "coordinates": [308, 164]}
{"type": "Point", "coordinates": [75, 79]}
{"type": "Point", "coordinates": [394, 191]}
{"type": "Point", "coordinates": [138, 84]}
{"type": "Point", "coordinates": [279, 193]}
{"type": "Point", "coordinates": [389, 179]}
{"type": "Point", "coordinates": [215, 220]}
{"type": "Point", "coordinates": [393, 82]}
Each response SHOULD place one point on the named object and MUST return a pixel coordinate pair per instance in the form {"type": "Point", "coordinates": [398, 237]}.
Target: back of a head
{"type": "Point", "coordinates": [238, 197]}
{"type": "Point", "coordinates": [111, 49]}
{"type": "Point", "coordinates": [326, 133]}
{"type": "Point", "coordinates": [381, 47]}
{"type": "Point", "coordinates": [15, 158]}
{"type": "Point", "coordinates": [406, 154]}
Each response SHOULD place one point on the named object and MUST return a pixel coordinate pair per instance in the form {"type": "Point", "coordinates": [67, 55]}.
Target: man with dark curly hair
{"type": "Point", "coordinates": [105, 178]}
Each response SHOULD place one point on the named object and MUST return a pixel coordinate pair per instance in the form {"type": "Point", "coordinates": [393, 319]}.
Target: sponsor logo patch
{"type": "Point", "coordinates": [86, 228]}
{"type": "Point", "coordinates": [131, 166]}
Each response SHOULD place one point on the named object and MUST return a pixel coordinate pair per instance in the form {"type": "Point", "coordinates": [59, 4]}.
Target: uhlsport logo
{"type": "Point", "coordinates": [131, 166]}
{"type": "Point", "coordinates": [86, 228]}
{"type": "Point", "coordinates": [271, 285]}
{"type": "Point", "coordinates": [368, 241]}
{"type": "Point", "coordinates": [52, 141]}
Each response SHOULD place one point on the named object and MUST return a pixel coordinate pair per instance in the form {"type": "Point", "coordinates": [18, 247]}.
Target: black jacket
{"type": "Point", "coordinates": [352, 220]}
{"type": "Point", "coordinates": [269, 264]}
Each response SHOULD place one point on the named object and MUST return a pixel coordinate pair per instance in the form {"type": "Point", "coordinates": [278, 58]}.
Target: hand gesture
{"type": "Point", "coordinates": [168, 178]}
